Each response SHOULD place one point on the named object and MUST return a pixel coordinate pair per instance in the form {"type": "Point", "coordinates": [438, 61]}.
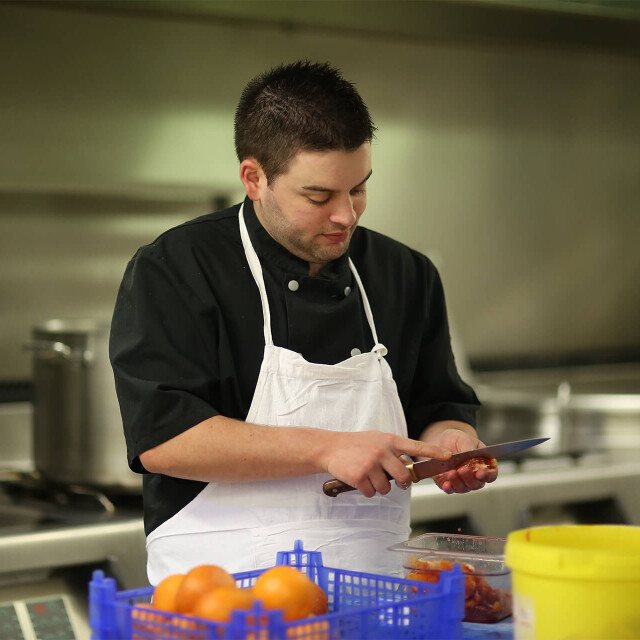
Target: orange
{"type": "Point", "coordinates": [285, 588]}
{"type": "Point", "coordinates": [320, 601]}
{"type": "Point", "coordinates": [318, 630]}
{"type": "Point", "coordinates": [218, 604]}
{"type": "Point", "coordinates": [164, 595]}
{"type": "Point", "coordinates": [146, 621]}
{"type": "Point", "coordinates": [199, 580]}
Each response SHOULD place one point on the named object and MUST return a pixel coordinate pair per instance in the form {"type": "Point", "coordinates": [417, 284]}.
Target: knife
{"type": "Point", "coordinates": [428, 468]}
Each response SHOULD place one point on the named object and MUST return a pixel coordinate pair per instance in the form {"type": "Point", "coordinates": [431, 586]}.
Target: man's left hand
{"type": "Point", "coordinates": [463, 479]}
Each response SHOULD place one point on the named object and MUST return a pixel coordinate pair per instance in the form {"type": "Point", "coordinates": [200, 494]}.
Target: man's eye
{"type": "Point", "coordinates": [318, 202]}
{"type": "Point", "coordinates": [358, 192]}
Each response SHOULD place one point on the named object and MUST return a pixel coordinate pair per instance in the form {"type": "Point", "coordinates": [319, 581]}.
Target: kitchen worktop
{"type": "Point", "coordinates": [502, 630]}
{"type": "Point", "coordinates": [514, 499]}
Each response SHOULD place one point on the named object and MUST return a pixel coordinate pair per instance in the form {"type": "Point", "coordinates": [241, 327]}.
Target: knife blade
{"type": "Point", "coordinates": [432, 467]}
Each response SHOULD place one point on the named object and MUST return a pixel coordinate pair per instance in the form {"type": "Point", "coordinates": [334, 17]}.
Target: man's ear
{"type": "Point", "coordinates": [253, 178]}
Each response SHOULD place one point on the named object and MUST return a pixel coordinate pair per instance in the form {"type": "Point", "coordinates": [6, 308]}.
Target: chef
{"type": "Point", "coordinates": [260, 350]}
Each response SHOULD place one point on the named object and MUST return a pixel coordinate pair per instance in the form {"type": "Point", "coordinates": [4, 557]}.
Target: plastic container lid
{"type": "Point", "coordinates": [596, 552]}
{"type": "Point", "coordinates": [485, 554]}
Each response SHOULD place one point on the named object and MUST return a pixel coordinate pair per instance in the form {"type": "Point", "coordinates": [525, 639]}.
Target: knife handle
{"type": "Point", "coordinates": [335, 487]}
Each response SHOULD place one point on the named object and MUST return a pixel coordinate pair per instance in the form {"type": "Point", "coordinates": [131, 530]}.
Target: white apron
{"type": "Point", "coordinates": [241, 526]}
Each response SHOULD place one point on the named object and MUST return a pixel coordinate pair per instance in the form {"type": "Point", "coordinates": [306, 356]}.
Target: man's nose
{"type": "Point", "coordinates": [343, 212]}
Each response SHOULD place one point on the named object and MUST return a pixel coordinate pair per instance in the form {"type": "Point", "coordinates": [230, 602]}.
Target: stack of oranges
{"type": "Point", "coordinates": [211, 593]}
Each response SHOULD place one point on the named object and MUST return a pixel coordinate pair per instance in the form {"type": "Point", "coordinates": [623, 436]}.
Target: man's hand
{"type": "Point", "coordinates": [457, 437]}
{"type": "Point", "coordinates": [363, 459]}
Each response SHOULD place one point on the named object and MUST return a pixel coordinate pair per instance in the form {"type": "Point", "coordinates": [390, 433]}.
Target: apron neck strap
{"type": "Point", "coordinates": [367, 307]}
{"type": "Point", "coordinates": [256, 271]}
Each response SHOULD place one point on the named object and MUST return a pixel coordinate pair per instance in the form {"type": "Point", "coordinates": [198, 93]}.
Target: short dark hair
{"type": "Point", "coordinates": [302, 106]}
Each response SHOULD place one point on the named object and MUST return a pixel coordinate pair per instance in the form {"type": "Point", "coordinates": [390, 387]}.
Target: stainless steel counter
{"type": "Point", "coordinates": [51, 539]}
{"type": "Point", "coordinates": [543, 488]}
{"type": "Point", "coordinates": [122, 542]}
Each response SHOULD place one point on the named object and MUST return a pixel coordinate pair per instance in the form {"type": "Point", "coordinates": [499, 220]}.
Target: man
{"type": "Point", "coordinates": [263, 349]}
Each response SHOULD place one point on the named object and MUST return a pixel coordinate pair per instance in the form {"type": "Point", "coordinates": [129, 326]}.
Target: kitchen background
{"type": "Point", "coordinates": [508, 151]}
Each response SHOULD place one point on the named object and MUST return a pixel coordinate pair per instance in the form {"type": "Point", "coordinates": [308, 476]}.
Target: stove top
{"type": "Point", "coordinates": [48, 528]}
{"type": "Point", "coordinates": [28, 503]}
{"type": "Point", "coordinates": [51, 539]}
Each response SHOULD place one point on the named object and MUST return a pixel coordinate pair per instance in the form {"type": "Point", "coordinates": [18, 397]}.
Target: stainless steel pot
{"type": "Point", "coordinates": [78, 436]}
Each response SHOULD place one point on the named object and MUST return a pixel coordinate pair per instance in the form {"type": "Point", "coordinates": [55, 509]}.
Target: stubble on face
{"type": "Point", "coordinates": [305, 246]}
{"type": "Point", "coordinates": [313, 208]}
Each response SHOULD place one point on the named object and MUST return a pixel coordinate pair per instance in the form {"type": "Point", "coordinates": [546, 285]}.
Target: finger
{"type": "Point", "coordinates": [418, 448]}
{"type": "Point", "coordinates": [463, 482]}
{"type": "Point", "coordinates": [403, 485]}
{"type": "Point", "coordinates": [366, 488]}
{"type": "Point", "coordinates": [478, 478]}
{"type": "Point", "coordinates": [487, 475]}
{"type": "Point", "coordinates": [444, 484]}
{"type": "Point", "coordinates": [457, 483]}
{"type": "Point", "coordinates": [474, 484]}
{"type": "Point", "coordinates": [397, 469]}
{"type": "Point", "coordinates": [381, 483]}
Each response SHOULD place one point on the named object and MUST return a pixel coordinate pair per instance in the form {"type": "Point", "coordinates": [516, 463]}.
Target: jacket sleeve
{"type": "Point", "coordinates": [162, 360]}
{"type": "Point", "coordinates": [437, 392]}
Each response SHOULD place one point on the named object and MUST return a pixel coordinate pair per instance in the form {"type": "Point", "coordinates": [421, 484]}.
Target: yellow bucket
{"type": "Point", "coordinates": [575, 581]}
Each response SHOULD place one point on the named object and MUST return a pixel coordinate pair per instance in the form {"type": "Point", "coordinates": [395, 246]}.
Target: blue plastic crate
{"type": "Point", "coordinates": [362, 606]}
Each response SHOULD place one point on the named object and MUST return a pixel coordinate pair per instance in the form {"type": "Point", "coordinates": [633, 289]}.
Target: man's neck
{"type": "Point", "coordinates": [314, 269]}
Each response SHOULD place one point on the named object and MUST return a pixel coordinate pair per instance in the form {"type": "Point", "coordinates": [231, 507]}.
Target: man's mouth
{"type": "Point", "coordinates": [337, 236]}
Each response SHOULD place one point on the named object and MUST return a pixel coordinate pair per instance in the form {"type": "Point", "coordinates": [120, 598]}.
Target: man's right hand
{"type": "Point", "coordinates": [363, 459]}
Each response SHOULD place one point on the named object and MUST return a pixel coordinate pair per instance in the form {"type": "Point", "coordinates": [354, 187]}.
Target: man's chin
{"type": "Point", "coordinates": [328, 254]}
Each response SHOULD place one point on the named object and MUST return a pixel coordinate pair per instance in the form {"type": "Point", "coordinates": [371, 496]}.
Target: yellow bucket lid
{"type": "Point", "coordinates": [597, 552]}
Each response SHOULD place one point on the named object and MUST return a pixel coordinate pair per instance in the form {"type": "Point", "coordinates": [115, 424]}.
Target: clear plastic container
{"type": "Point", "coordinates": [487, 578]}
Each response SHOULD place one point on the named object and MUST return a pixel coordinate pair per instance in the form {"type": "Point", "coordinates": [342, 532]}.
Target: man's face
{"type": "Point", "coordinates": [313, 209]}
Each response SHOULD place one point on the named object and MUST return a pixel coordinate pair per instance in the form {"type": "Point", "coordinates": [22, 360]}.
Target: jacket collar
{"type": "Point", "coordinates": [274, 253]}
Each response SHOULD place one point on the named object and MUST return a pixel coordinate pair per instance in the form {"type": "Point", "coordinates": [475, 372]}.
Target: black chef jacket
{"type": "Point", "coordinates": [187, 335]}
